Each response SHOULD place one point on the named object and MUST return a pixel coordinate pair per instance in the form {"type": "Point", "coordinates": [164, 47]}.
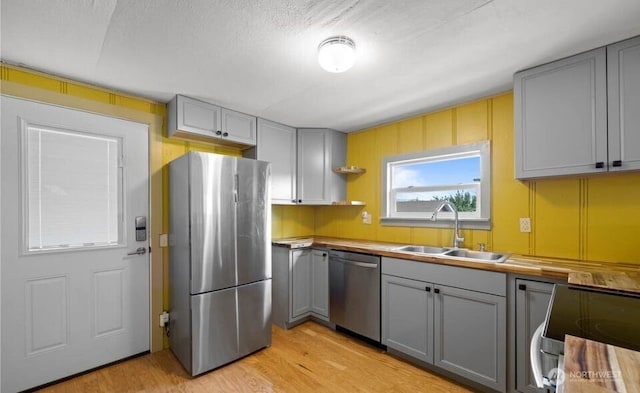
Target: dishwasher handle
{"type": "Point", "coordinates": [359, 264]}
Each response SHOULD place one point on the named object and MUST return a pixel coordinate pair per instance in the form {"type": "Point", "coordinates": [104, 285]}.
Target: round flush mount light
{"type": "Point", "coordinates": [337, 54]}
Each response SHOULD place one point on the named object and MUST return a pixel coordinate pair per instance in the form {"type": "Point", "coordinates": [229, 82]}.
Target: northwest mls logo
{"type": "Point", "coordinates": [556, 377]}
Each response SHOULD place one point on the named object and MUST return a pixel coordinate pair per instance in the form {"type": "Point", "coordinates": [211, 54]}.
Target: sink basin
{"type": "Point", "coordinates": [477, 256]}
{"type": "Point", "coordinates": [423, 249]}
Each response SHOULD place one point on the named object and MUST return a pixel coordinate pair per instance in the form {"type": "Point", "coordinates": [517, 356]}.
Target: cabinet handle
{"type": "Point", "coordinates": [428, 289]}
{"type": "Point", "coordinates": [225, 134]}
{"type": "Point", "coordinates": [218, 132]}
{"type": "Point", "coordinates": [324, 254]}
{"type": "Point", "coordinates": [299, 200]}
{"type": "Point", "coordinates": [522, 287]}
{"type": "Point", "coordinates": [617, 163]}
{"type": "Point", "coordinates": [436, 290]}
{"type": "Point", "coordinates": [599, 165]}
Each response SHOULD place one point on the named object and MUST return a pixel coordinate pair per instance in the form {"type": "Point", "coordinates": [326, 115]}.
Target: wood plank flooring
{"type": "Point", "coordinates": [307, 358]}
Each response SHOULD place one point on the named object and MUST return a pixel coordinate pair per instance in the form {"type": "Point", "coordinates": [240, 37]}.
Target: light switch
{"type": "Point", "coordinates": [164, 240]}
{"type": "Point", "coordinates": [366, 218]}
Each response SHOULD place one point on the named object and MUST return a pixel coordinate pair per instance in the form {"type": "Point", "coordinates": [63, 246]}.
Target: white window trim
{"type": "Point", "coordinates": [445, 219]}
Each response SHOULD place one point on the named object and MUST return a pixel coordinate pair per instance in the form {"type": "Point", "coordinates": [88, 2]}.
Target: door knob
{"type": "Point", "coordinates": [139, 251]}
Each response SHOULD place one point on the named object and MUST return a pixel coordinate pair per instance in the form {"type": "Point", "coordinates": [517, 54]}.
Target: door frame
{"type": "Point", "coordinates": [155, 123]}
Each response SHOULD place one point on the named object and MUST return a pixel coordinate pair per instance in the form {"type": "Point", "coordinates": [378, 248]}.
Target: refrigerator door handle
{"type": "Point", "coordinates": [236, 185]}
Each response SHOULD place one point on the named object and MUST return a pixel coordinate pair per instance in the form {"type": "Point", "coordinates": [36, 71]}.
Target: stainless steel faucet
{"type": "Point", "coordinates": [456, 238]}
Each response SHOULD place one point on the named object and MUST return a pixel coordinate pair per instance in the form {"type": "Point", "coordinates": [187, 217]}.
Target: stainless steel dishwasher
{"type": "Point", "coordinates": [354, 292]}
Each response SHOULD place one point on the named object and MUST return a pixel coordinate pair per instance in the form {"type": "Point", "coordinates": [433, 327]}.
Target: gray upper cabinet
{"type": "Point", "coordinates": [319, 150]}
{"type": "Point", "coordinates": [277, 145]}
{"type": "Point", "coordinates": [623, 69]}
{"type": "Point", "coordinates": [532, 300]}
{"type": "Point", "coordinates": [301, 163]}
{"type": "Point", "coordinates": [191, 119]}
{"type": "Point", "coordinates": [407, 316]}
{"type": "Point", "coordinates": [579, 115]}
{"type": "Point", "coordinates": [238, 127]}
{"type": "Point", "coordinates": [470, 335]}
{"type": "Point", "coordinates": [561, 117]}
{"type": "Point", "coordinates": [320, 283]}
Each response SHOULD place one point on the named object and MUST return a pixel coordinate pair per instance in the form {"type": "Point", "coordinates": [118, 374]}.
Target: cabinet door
{"type": "Point", "coordinates": [407, 316]}
{"type": "Point", "coordinates": [470, 335]}
{"type": "Point", "coordinates": [561, 117]}
{"type": "Point", "coordinates": [532, 300]}
{"type": "Point", "coordinates": [277, 145]}
{"type": "Point", "coordinates": [320, 283]}
{"type": "Point", "coordinates": [300, 297]}
{"type": "Point", "coordinates": [238, 127]}
{"type": "Point", "coordinates": [197, 117]}
{"type": "Point", "coordinates": [313, 166]}
{"type": "Point", "coordinates": [623, 71]}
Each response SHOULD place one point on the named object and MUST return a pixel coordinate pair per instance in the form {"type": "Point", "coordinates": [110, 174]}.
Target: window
{"type": "Point", "coordinates": [415, 184]}
{"type": "Point", "coordinates": [71, 189]}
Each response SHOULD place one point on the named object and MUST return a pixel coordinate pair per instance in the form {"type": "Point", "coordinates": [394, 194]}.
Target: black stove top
{"type": "Point", "coordinates": [600, 316]}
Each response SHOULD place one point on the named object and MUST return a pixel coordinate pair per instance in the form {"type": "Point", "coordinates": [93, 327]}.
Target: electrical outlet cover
{"type": "Point", "coordinates": [525, 225]}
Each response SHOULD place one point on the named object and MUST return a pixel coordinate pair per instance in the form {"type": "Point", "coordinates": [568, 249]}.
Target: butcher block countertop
{"type": "Point", "coordinates": [591, 366]}
{"type": "Point", "coordinates": [613, 276]}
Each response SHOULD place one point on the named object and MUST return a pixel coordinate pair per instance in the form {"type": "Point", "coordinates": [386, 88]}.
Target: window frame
{"type": "Point", "coordinates": [481, 220]}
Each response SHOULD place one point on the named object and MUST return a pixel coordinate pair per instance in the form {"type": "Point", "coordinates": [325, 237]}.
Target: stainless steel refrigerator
{"type": "Point", "coordinates": [220, 259]}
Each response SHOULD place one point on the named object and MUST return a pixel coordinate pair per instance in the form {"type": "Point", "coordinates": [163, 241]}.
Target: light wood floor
{"type": "Point", "coordinates": [307, 358]}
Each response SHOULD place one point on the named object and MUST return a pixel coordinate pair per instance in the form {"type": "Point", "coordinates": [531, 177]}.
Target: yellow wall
{"type": "Point", "coordinates": [591, 218]}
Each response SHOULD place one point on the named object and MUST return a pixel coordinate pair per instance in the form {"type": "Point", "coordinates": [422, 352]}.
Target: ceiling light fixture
{"type": "Point", "coordinates": [337, 54]}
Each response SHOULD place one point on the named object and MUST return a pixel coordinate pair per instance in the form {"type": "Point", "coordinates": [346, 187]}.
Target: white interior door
{"type": "Point", "coordinates": [73, 298]}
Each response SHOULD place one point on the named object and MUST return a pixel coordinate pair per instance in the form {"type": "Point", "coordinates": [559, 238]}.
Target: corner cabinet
{"type": "Point", "coordinates": [427, 315]}
{"type": "Point", "coordinates": [196, 120]}
{"type": "Point", "coordinates": [577, 115]}
{"type": "Point", "coordinates": [300, 285]}
{"type": "Point", "coordinates": [301, 163]}
{"type": "Point", "coordinates": [532, 301]}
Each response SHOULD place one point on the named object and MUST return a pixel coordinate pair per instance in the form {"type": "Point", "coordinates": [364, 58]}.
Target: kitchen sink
{"type": "Point", "coordinates": [477, 256]}
{"type": "Point", "coordinates": [423, 249]}
{"type": "Point", "coordinates": [456, 253]}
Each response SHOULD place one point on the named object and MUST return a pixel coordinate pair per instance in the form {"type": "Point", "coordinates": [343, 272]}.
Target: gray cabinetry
{"type": "Point", "coordinates": [578, 115]}
{"type": "Point", "coordinates": [452, 317]}
{"type": "Point", "coordinates": [532, 300]}
{"type": "Point", "coordinates": [301, 163]}
{"type": "Point", "coordinates": [623, 71]}
{"type": "Point", "coordinates": [277, 144]}
{"type": "Point", "coordinates": [192, 119]}
{"type": "Point", "coordinates": [300, 297]}
{"type": "Point", "coordinates": [300, 285]}
{"type": "Point", "coordinates": [320, 283]}
{"type": "Point", "coordinates": [470, 335]}
{"type": "Point", "coordinates": [561, 117]}
{"type": "Point", "coordinates": [319, 150]}
{"type": "Point", "coordinates": [407, 316]}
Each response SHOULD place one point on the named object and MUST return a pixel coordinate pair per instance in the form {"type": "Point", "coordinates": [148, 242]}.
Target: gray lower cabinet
{"type": "Point", "coordinates": [300, 285]}
{"type": "Point", "coordinates": [532, 300]}
{"type": "Point", "coordinates": [451, 317]}
{"type": "Point", "coordinates": [407, 316]}
{"type": "Point", "coordinates": [300, 297]}
{"type": "Point", "coordinates": [470, 335]}
{"type": "Point", "coordinates": [320, 283]}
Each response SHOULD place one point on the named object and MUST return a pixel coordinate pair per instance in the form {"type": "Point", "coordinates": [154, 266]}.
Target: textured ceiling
{"type": "Point", "coordinates": [259, 57]}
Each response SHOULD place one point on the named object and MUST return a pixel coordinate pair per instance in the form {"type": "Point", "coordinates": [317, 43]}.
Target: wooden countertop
{"type": "Point", "coordinates": [619, 281]}
{"type": "Point", "coordinates": [626, 275]}
{"type": "Point", "coordinates": [591, 366]}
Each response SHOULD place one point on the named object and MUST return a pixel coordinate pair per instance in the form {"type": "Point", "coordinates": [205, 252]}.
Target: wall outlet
{"type": "Point", "coordinates": [164, 318]}
{"type": "Point", "coordinates": [164, 240]}
{"type": "Point", "coordinates": [525, 224]}
{"type": "Point", "coordinates": [366, 218]}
